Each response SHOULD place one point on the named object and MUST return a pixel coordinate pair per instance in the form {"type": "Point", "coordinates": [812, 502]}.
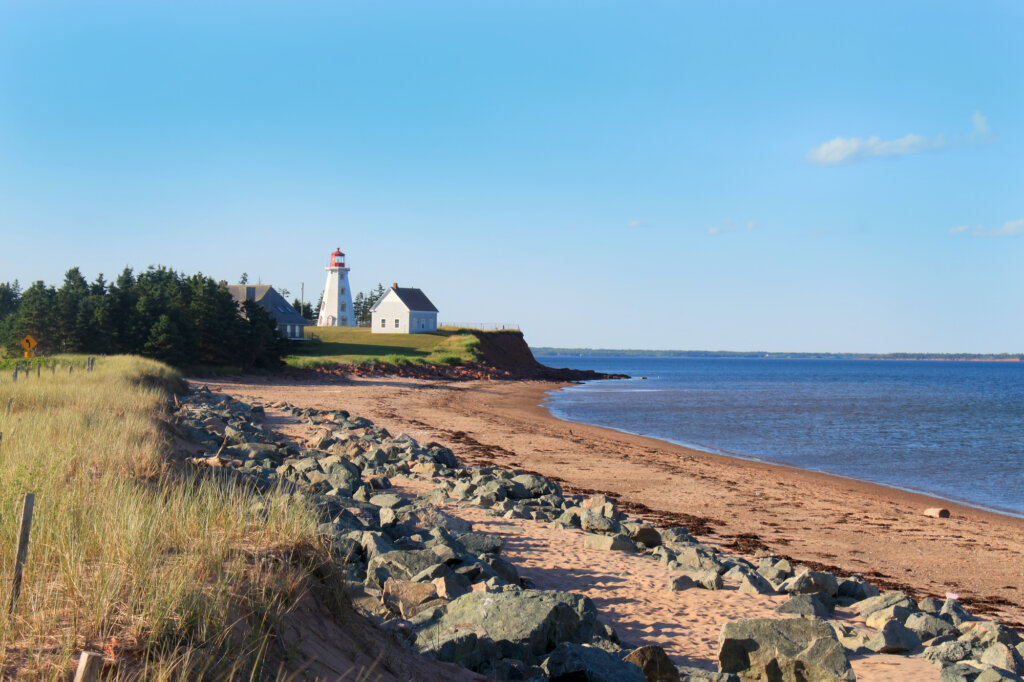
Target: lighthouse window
{"type": "Point", "coordinates": [341, 290]}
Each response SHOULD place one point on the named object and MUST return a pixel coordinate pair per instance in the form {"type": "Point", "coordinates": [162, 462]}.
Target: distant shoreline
{"type": "Point", "coordinates": [740, 355]}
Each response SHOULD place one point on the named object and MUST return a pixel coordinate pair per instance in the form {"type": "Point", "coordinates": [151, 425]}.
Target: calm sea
{"type": "Point", "coordinates": [952, 429]}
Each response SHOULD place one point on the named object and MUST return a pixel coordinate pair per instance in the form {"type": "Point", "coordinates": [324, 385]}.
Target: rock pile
{"type": "Point", "coordinates": [445, 590]}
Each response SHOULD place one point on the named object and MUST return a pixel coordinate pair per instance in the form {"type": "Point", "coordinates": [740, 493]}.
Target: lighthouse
{"type": "Point", "coordinates": [336, 308]}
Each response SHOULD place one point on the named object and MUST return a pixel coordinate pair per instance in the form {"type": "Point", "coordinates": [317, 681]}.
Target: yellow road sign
{"type": "Point", "coordinates": [28, 343]}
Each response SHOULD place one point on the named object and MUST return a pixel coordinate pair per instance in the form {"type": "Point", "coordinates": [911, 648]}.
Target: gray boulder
{"type": "Point", "coordinates": [879, 618]}
{"type": "Point", "coordinates": [857, 589]}
{"type": "Point", "coordinates": [810, 582]}
{"type": "Point", "coordinates": [787, 650]}
{"type": "Point", "coordinates": [997, 675]}
{"type": "Point", "coordinates": [775, 571]}
{"type": "Point", "coordinates": [805, 605]}
{"type": "Point", "coordinates": [389, 500]}
{"type": "Point", "coordinates": [868, 606]}
{"type": "Point", "coordinates": [959, 672]}
{"type": "Point", "coordinates": [893, 638]}
{"type": "Point", "coordinates": [537, 486]}
{"type": "Point", "coordinates": [481, 543]}
{"type": "Point", "coordinates": [947, 653]}
{"type": "Point", "coordinates": [571, 662]}
{"type": "Point", "coordinates": [525, 624]}
{"type": "Point", "coordinates": [596, 523]}
{"type": "Point", "coordinates": [615, 543]}
{"type": "Point", "coordinates": [754, 583]}
{"type": "Point", "coordinates": [645, 534]}
{"type": "Point", "coordinates": [401, 564]}
{"type": "Point", "coordinates": [749, 580]}
{"type": "Point", "coordinates": [698, 558]}
{"type": "Point", "coordinates": [1004, 657]}
{"type": "Point", "coordinates": [928, 627]}
{"type": "Point", "coordinates": [677, 535]}
{"type": "Point", "coordinates": [708, 580]}
{"type": "Point", "coordinates": [955, 612]}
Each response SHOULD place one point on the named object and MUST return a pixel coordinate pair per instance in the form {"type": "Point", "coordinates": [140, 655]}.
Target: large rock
{"type": "Point", "coordinates": [1004, 657]}
{"type": "Point", "coordinates": [525, 624]}
{"type": "Point", "coordinates": [947, 653]}
{"type": "Point", "coordinates": [959, 672]}
{"type": "Point", "coordinates": [402, 564]}
{"type": "Point", "coordinates": [481, 543]}
{"type": "Point", "coordinates": [893, 638]}
{"type": "Point", "coordinates": [805, 605]}
{"type": "Point", "coordinates": [698, 558]}
{"type": "Point", "coordinates": [896, 598]}
{"type": "Point", "coordinates": [810, 582]}
{"type": "Point", "coordinates": [997, 675]}
{"type": "Point", "coordinates": [708, 580]}
{"type": "Point", "coordinates": [928, 627]}
{"type": "Point", "coordinates": [787, 650]}
{"type": "Point", "coordinates": [654, 663]}
{"type": "Point", "coordinates": [615, 543]}
{"type": "Point", "coordinates": [596, 523]}
{"type": "Point", "coordinates": [537, 486]}
{"type": "Point", "coordinates": [879, 618]}
{"type": "Point", "coordinates": [571, 662]}
{"type": "Point", "coordinates": [645, 534]}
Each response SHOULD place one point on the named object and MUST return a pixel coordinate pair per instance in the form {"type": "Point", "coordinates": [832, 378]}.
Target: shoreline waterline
{"type": "Point", "coordinates": [951, 432]}
{"type": "Point", "coordinates": [770, 462]}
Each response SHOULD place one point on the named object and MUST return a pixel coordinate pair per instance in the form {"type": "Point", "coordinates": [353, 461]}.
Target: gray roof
{"type": "Point", "coordinates": [267, 298]}
{"type": "Point", "coordinates": [414, 299]}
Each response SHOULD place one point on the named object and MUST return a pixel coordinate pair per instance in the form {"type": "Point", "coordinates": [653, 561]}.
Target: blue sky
{"type": "Point", "coordinates": [738, 176]}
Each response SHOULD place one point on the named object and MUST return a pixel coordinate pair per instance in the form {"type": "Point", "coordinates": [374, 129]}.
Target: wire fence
{"type": "Point", "coordinates": [482, 326]}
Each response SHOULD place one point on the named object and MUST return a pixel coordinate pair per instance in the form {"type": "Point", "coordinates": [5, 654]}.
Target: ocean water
{"type": "Point", "coordinates": [951, 429]}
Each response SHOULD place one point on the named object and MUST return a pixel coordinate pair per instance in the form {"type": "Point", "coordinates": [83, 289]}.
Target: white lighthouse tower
{"type": "Point", "coordinates": [336, 308]}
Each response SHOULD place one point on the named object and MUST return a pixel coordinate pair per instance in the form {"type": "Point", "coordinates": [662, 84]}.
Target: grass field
{"type": "Point", "coordinates": [174, 575]}
{"type": "Point", "coordinates": [359, 345]}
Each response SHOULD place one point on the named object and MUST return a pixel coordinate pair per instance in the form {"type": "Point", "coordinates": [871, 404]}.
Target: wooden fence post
{"type": "Point", "coordinates": [23, 534]}
{"type": "Point", "coordinates": [9, 403]}
{"type": "Point", "coordinates": [89, 664]}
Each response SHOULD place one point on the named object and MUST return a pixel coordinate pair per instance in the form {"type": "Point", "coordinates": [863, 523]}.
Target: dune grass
{"type": "Point", "coordinates": [171, 574]}
{"type": "Point", "coordinates": [359, 345]}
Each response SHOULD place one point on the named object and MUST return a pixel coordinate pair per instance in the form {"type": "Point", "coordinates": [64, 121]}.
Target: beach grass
{"type": "Point", "coordinates": [169, 573]}
{"type": "Point", "coordinates": [329, 346]}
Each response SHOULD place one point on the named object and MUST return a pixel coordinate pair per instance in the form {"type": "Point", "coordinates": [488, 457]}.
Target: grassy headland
{"type": "Point", "coordinates": [359, 345]}
{"type": "Point", "coordinates": [174, 575]}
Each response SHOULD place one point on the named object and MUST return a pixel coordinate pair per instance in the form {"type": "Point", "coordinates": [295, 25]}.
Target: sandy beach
{"type": "Point", "coordinates": [751, 508]}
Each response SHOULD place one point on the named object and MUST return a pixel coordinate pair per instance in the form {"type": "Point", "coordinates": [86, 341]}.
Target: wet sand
{"type": "Point", "coordinates": [751, 508]}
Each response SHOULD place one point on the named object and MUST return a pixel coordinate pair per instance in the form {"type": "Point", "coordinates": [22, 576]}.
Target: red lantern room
{"type": "Point", "coordinates": [337, 259]}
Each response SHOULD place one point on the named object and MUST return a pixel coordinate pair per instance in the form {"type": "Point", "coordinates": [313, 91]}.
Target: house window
{"type": "Point", "coordinates": [383, 323]}
{"type": "Point", "coordinates": [396, 322]}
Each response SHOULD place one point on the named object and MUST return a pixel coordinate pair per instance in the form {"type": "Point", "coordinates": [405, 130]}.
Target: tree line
{"type": "Point", "coordinates": [183, 320]}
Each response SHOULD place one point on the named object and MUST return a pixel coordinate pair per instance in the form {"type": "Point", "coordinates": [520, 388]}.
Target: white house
{"type": "Point", "coordinates": [289, 322]}
{"type": "Point", "coordinates": [403, 310]}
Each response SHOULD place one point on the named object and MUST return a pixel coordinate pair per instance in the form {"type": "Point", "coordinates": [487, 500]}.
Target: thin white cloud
{"type": "Point", "coordinates": [981, 129]}
{"type": "Point", "coordinates": [635, 223]}
{"type": "Point", "coordinates": [728, 225]}
{"type": "Point", "coordinates": [1011, 228]}
{"type": "Point", "coordinates": [845, 149]}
